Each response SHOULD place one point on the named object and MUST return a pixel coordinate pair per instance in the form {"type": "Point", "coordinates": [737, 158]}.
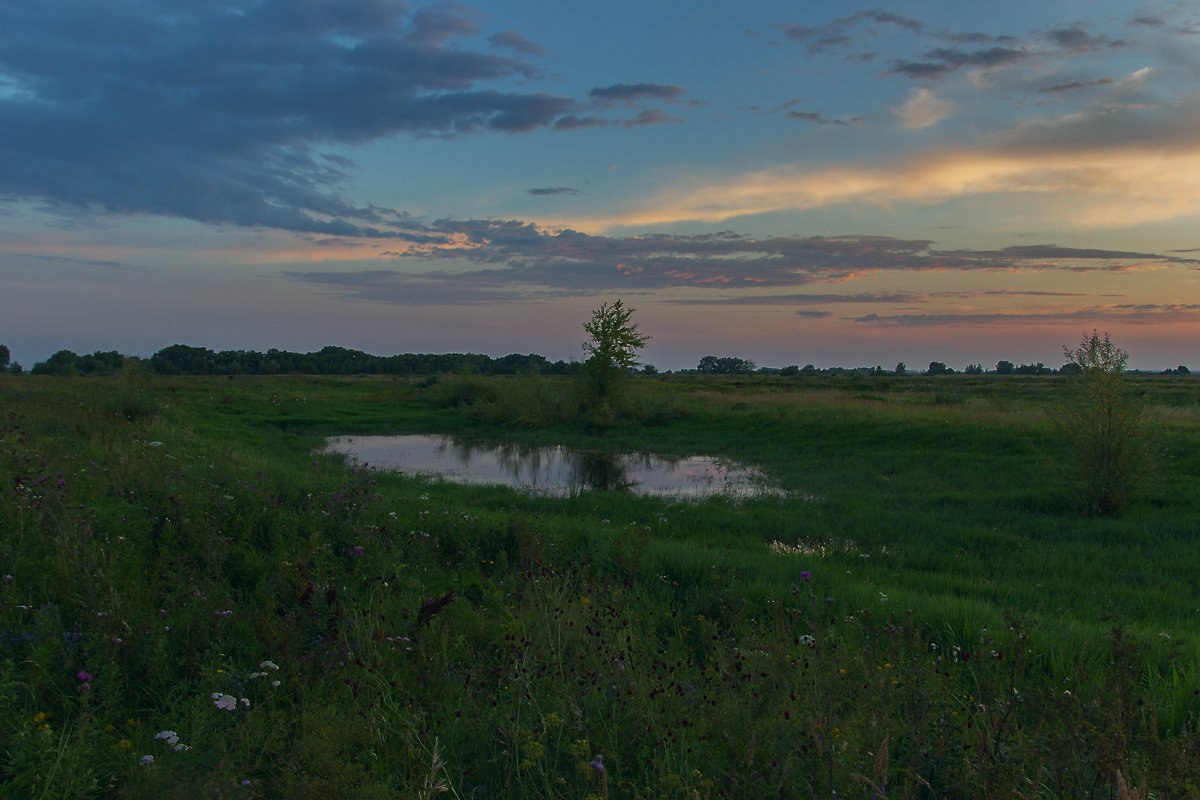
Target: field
{"type": "Point", "coordinates": [192, 604]}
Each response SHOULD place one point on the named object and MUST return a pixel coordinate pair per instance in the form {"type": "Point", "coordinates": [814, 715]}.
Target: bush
{"type": "Point", "coordinates": [1104, 422]}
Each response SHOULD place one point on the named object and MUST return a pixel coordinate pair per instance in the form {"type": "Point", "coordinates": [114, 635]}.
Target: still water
{"type": "Point", "coordinates": [554, 470]}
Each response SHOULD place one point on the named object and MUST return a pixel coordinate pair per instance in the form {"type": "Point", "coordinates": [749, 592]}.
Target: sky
{"type": "Point", "coordinates": [785, 182]}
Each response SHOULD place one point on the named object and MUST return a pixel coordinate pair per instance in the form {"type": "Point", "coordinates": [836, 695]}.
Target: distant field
{"type": "Point", "coordinates": [925, 614]}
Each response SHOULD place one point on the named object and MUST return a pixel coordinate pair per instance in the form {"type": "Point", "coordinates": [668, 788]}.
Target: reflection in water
{"type": "Point", "coordinates": [552, 470]}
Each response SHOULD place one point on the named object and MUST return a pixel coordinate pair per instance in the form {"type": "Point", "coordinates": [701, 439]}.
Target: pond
{"type": "Point", "coordinates": [558, 470]}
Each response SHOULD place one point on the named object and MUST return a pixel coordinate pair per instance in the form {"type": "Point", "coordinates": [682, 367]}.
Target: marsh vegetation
{"type": "Point", "coordinates": [193, 605]}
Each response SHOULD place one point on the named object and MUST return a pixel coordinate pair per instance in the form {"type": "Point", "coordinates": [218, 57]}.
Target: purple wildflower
{"type": "Point", "coordinates": [598, 762]}
{"type": "Point", "coordinates": [806, 576]}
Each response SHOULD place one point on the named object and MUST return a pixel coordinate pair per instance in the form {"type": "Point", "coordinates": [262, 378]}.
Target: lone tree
{"type": "Point", "coordinates": [613, 348]}
{"type": "Point", "coordinates": [1104, 421]}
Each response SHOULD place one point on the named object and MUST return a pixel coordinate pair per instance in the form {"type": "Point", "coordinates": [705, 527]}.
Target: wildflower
{"type": "Point", "coordinates": [225, 702]}
{"type": "Point", "coordinates": [147, 761]}
{"type": "Point", "coordinates": [171, 737]}
{"type": "Point", "coordinates": [598, 762]}
{"type": "Point", "coordinates": [83, 677]}
{"type": "Point", "coordinates": [806, 576]}
{"type": "Point", "coordinates": [246, 782]}
{"type": "Point", "coordinates": [268, 665]}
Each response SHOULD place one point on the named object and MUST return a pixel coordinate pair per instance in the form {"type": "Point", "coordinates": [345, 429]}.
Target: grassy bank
{"type": "Point", "coordinates": [194, 605]}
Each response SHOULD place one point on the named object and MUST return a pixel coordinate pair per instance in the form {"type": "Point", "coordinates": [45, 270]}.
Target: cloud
{"type": "Point", "coordinates": [1134, 168]}
{"type": "Point", "coordinates": [215, 112]}
{"type": "Point", "coordinates": [634, 93]}
{"type": "Point", "coordinates": [809, 116]}
{"type": "Point", "coordinates": [1076, 39]}
{"type": "Point", "coordinates": [799, 299]}
{"type": "Point", "coordinates": [839, 32]}
{"type": "Point", "coordinates": [651, 116]}
{"type": "Point", "coordinates": [939, 62]}
{"type": "Point", "coordinates": [515, 41]}
{"type": "Point", "coordinates": [923, 109]}
{"type": "Point", "coordinates": [516, 260]}
{"type": "Point", "coordinates": [819, 118]}
{"type": "Point", "coordinates": [1189, 27]}
{"type": "Point", "coordinates": [1145, 314]}
{"type": "Point", "coordinates": [572, 122]}
{"type": "Point", "coordinates": [87, 262]}
{"type": "Point", "coordinates": [1074, 86]}
{"type": "Point", "coordinates": [554, 190]}
{"type": "Point", "coordinates": [814, 117]}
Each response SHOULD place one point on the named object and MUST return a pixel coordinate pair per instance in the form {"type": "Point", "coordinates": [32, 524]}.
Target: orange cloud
{"type": "Point", "coordinates": [1100, 187]}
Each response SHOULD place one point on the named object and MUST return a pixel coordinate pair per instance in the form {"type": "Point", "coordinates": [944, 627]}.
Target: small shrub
{"type": "Point", "coordinates": [463, 391]}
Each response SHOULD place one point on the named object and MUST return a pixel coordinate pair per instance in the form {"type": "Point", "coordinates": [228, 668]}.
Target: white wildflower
{"type": "Point", "coordinates": [225, 702]}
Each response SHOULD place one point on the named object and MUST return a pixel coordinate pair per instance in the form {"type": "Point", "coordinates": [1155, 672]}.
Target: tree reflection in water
{"type": "Point", "coordinates": [556, 470]}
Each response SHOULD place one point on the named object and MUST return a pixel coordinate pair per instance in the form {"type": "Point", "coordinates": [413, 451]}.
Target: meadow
{"type": "Point", "coordinates": [193, 604]}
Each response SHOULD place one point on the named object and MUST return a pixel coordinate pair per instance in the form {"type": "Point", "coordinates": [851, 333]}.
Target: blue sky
{"type": "Point", "coordinates": [776, 181]}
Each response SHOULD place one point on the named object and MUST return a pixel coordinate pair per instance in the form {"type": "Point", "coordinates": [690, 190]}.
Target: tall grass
{"type": "Point", "coordinates": [191, 604]}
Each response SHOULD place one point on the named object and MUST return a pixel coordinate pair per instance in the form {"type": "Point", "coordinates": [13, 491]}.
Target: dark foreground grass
{"type": "Point", "coordinates": [192, 605]}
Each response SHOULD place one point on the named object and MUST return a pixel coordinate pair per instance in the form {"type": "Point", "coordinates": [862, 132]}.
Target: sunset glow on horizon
{"type": "Point", "coordinates": [922, 181]}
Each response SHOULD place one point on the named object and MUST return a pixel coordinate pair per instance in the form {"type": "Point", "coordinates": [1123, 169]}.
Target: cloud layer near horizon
{"type": "Point", "coordinates": [519, 260]}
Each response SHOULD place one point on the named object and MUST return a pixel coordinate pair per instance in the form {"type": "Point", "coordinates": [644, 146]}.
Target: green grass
{"type": "Point", "coordinates": [963, 631]}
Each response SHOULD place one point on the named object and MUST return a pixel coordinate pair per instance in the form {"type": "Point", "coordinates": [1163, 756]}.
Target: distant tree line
{"type": "Point", "coordinates": [179, 359]}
